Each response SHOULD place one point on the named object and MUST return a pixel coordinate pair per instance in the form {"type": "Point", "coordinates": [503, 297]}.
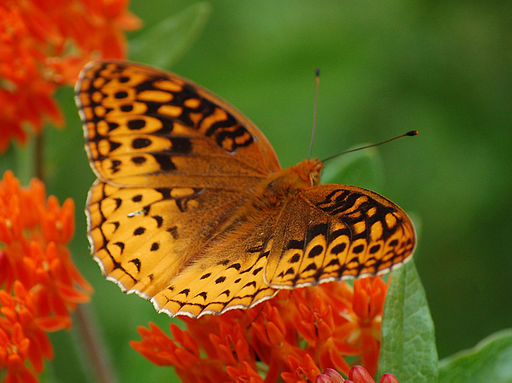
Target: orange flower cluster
{"type": "Point", "coordinates": [293, 337]}
{"type": "Point", "coordinates": [40, 282]}
{"type": "Point", "coordinates": [44, 44]}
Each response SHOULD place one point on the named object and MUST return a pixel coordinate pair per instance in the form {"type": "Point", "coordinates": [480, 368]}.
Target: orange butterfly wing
{"type": "Point", "coordinates": [332, 232]}
{"type": "Point", "coordinates": [147, 127]}
{"type": "Point", "coordinates": [166, 153]}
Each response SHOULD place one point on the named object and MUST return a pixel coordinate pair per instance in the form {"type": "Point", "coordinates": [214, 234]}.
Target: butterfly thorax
{"type": "Point", "coordinates": [284, 184]}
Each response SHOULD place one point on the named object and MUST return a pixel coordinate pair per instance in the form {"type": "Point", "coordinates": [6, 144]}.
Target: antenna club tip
{"type": "Point", "coordinates": [412, 133]}
{"type": "Point", "coordinates": [317, 72]}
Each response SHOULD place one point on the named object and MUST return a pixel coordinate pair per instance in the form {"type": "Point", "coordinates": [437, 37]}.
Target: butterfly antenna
{"type": "Point", "coordinates": [315, 107]}
{"type": "Point", "coordinates": [410, 133]}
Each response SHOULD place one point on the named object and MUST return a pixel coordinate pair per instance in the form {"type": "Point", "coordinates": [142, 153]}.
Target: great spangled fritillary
{"type": "Point", "coordinates": [192, 210]}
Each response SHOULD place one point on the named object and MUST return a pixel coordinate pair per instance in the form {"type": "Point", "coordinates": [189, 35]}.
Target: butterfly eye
{"type": "Point", "coordinates": [316, 171]}
{"type": "Point", "coordinates": [314, 178]}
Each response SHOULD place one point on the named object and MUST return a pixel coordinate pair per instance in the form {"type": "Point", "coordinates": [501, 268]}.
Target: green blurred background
{"type": "Point", "coordinates": [441, 67]}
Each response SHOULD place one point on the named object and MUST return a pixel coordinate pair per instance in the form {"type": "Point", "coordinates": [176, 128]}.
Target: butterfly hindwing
{"type": "Point", "coordinates": [144, 237]}
{"type": "Point", "coordinates": [208, 287]}
{"type": "Point", "coordinates": [337, 232]}
{"type": "Point", "coordinates": [230, 274]}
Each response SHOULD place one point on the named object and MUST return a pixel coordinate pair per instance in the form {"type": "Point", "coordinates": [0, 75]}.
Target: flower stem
{"type": "Point", "coordinates": [94, 348]}
{"type": "Point", "coordinates": [39, 155]}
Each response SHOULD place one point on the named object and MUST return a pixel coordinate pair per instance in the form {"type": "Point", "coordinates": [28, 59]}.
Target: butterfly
{"type": "Point", "coordinates": [192, 210]}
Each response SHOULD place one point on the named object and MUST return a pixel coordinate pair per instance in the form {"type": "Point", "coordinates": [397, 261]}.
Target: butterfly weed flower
{"type": "Point", "coordinates": [13, 352]}
{"type": "Point", "coordinates": [40, 284]}
{"type": "Point", "coordinates": [21, 309]}
{"type": "Point", "coordinates": [41, 50]}
{"type": "Point", "coordinates": [294, 337]}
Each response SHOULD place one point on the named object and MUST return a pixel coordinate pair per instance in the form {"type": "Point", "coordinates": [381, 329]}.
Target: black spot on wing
{"type": "Point", "coordinates": [315, 251]}
{"type": "Point", "coordinates": [136, 262]}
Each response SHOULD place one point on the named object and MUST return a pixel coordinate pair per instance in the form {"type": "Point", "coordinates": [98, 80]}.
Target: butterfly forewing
{"type": "Point", "coordinates": [145, 127]}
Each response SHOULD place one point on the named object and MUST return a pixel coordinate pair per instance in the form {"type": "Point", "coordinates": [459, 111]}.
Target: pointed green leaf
{"type": "Point", "coordinates": [489, 361]}
{"type": "Point", "coordinates": [408, 348]}
{"type": "Point", "coordinates": [164, 43]}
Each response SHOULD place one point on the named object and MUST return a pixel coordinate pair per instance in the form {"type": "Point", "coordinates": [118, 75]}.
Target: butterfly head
{"type": "Point", "coordinates": [310, 171]}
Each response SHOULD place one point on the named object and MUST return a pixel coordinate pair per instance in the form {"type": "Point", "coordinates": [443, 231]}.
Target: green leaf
{"type": "Point", "coordinates": [489, 361]}
{"type": "Point", "coordinates": [362, 168]}
{"type": "Point", "coordinates": [408, 348]}
{"type": "Point", "coordinates": [164, 43]}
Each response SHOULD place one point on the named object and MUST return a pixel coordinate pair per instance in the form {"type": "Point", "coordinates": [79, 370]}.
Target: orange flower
{"type": "Point", "coordinates": [41, 284]}
{"type": "Point", "coordinates": [369, 296]}
{"type": "Point", "coordinates": [21, 309]}
{"type": "Point", "coordinates": [13, 352]}
{"type": "Point", "coordinates": [56, 292]}
{"type": "Point", "coordinates": [43, 44]}
{"type": "Point", "coordinates": [304, 370]}
{"type": "Point", "coordinates": [34, 233]}
{"type": "Point", "coordinates": [292, 337]}
{"type": "Point", "coordinates": [182, 352]}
